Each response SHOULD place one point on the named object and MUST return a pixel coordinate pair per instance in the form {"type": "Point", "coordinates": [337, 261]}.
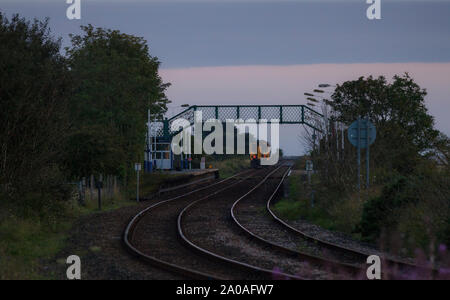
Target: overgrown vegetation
{"type": "Point", "coordinates": [34, 93]}
{"type": "Point", "coordinates": [27, 242]}
{"type": "Point", "coordinates": [24, 243]}
{"type": "Point", "coordinates": [64, 117]}
{"type": "Point", "coordinates": [407, 207]}
{"type": "Point", "coordinates": [318, 206]}
{"type": "Point", "coordinates": [411, 208]}
{"type": "Point", "coordinates": [67, 117]}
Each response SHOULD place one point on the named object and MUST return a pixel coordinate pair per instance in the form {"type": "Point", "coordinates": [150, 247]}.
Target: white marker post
{"type": "Point", "coordinates": [137, 168]}
{"type": "Point", "coordinates": [309, 170]}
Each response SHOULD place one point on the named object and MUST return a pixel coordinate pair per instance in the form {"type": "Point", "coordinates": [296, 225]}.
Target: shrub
{"type": "Point", "coordinates": [413, 211]}
{"type": "Point", "coordinates": [379, 212]}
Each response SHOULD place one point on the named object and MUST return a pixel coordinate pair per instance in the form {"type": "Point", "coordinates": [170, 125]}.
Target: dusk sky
{"type": "Point", "coordinates": [271, 52]}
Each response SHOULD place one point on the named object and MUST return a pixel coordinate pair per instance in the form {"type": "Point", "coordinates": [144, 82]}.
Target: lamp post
{"type": "Point", "coordinates": [338, 126]}
{"type": "Point", "coordinates": [341, 125]}
{"type": "Point", "coordinates": [324, 85]}
{"type": "Point", "coordinates": [175, 109]}
{"type": "Point", "coordinates": [314, 100]}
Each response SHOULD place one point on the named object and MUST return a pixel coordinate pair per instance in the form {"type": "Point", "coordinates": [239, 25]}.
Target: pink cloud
{"type": "Point", "coordinates": [286, 84]}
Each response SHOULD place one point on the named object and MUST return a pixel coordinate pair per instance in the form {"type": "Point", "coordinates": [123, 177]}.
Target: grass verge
{"type": "Point", "coordinates": [337, 213]}
{"type": "Point", "coordinates": [27, 242]}
{"type": "Point", "coordinates": [229, 166]}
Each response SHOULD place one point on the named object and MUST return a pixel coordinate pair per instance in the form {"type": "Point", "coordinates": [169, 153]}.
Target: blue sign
{"type": "Point", "coordinates": [359, 130]}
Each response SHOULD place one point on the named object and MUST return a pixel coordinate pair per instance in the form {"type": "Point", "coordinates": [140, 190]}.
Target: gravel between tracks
{"type": "Point", "coordinates": [156, 235]}
{"type": "Point", "coordinates": [209, 225]}
{"type": "Point", "coordinates": [96, 239]}
{"type": "Point", "coordinates": [252, 214]}
{"type": "Point", "coordinates": [343, 239]}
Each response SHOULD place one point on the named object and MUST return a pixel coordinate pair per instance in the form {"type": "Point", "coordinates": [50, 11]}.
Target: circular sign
{"type": "Point", "coordinates": [360, 131]}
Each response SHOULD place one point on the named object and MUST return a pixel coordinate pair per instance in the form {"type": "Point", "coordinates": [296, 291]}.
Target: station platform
{"type": "Point", "coordinates": [193, 172]}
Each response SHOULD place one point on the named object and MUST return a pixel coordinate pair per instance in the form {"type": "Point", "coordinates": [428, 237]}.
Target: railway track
{"type": "Point", "coordinates": [267, 228]}
{"type": "Point", "coordinates": [249, 215]}
{"type": "Point", "coordinates": [152, 236]}
{"type": "Point", "coordinates": [228, 230]}
{"type": "Point", "coordinates": [208, 228]}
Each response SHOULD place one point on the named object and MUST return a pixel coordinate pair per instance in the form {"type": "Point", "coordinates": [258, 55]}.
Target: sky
{"type": "Point", "coordinates": [271, 52]}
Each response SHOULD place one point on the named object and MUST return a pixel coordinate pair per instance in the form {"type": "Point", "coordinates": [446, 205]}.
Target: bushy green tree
{"type": "Point", "coordinates": [377, 213]}
{"type": "Point", "coordinates": [115, 81]}
{"type": "Point", "coordinates": [409, 164]}
{"type": "Point", "coordinates": [34, 89]}
{"type": "Point", "coordinates": [405, 129]}
{"type": "Point", "coordinates": [414, 207]}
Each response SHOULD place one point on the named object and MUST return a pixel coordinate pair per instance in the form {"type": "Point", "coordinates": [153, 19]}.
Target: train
{"type": "Point", "coordinates": [255, 158]}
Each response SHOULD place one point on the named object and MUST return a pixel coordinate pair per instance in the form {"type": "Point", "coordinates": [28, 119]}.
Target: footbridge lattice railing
{"type": "Point", "coordinates": [285, 114]}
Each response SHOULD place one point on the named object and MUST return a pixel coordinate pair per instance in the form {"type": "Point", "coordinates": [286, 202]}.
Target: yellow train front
{"type": "Point", "coordinates": [255, 158]}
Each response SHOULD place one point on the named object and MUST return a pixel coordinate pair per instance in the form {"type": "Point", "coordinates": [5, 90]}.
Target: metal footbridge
{"type": "Point", "coordinates": [160, 132]}
{"type": "Point", "coordinates": [284, 114]}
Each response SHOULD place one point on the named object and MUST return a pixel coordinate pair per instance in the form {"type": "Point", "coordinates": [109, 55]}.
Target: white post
{"type": "Point", "coordinates": [137, 167]}
{"type": "Point", "coordinates": [203, 163]}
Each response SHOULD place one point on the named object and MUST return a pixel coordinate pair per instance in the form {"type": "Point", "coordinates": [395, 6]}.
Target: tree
{"type": "Point", "coordinates": [409, 201]}
{"type": "Point", "coordinates": [441, 150]}
{"type": "Point", "coordinates": [116, 81]}
{"type": "Point", "coordinates": [405, 129]}
{"type": "Point", "coordinates": [34, 88]}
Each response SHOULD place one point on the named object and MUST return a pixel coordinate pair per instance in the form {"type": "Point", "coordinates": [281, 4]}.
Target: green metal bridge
{"type": "Point", "coordinates": [285, 114]}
